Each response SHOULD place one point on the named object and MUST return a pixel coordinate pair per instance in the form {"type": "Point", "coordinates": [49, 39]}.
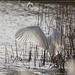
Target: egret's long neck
{"type": "Point", "coordinates": [40, 14]}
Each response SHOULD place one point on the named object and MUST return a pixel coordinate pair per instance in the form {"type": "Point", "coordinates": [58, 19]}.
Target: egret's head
{"type": "Point", "coordinates": [30, 5]}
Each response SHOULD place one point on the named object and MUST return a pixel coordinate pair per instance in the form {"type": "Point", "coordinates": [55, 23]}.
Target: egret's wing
{"type": "Point", "coordinates": [33, 34]}
{"type": "Point", "coordinates": [56, 37]}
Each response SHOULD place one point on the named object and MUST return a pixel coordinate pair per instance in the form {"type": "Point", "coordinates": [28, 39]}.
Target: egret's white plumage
{"type": "Point", "coordinates": [56, 37]}
{"type": "Point", "coordinates": [36, 35]}
{"type": "Point", "coordinates": [55, 41]}
{"type": "Point", "coordinates": [33, 34]}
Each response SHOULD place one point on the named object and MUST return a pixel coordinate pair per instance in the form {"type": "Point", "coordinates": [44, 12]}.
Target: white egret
{"type": "Point", "coordinates": [36, 35]}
